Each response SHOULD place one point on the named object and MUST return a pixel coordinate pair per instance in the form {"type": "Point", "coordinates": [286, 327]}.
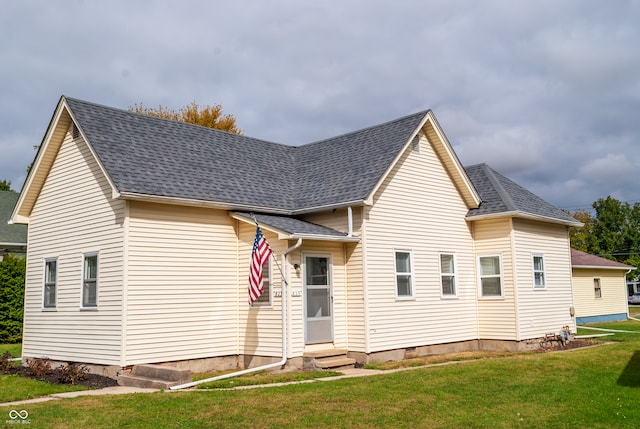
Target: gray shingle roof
{"type": "Point", "coordinates": [501, 195]}
{"type": "Point", "coordinates": [10, 234]}
{"type": "Point", "coordinates": [153, 156]}
{"type": "Point", "coordinates": [293, 225]}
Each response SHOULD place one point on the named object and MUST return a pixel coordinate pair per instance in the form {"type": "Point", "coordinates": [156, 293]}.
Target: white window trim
{"type": "Point", "coordinates": [534, 271]}
{"type": "Point", "coordinates": [84, 258]}
{"type": "Point", "coordinates": [44, 285]}
{"type": "Point", "coordinates": [269, 303]}
{"type": "Point", "coordinates": [454, 275]}
{"type": "Point", "coordinates": [412, 276]}
{"type": "Point", "coordinates": [599, 281]}
{"type": "Point", "coordinates": [480, 277]}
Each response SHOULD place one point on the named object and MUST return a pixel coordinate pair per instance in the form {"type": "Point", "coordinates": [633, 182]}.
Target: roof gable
{"type": "Point", "coordinates": [503, 197]}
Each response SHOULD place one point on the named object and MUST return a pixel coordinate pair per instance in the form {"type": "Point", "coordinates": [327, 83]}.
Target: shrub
{"type": "Point", "coordinates": [39, 367]}
{"type": "Point", "coordinates": [12, 269]}
{"type": "Point", "coordinates": [5, 363]}
{"type": "Point", "coordinates": [71, 373]}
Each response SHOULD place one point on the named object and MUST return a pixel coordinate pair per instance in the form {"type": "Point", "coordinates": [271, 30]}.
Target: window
{"type": "Point", "coordinates": [90, 281]}
{"type": "Point", "coordinates": [50, 278]}
{"type": "Point", "coordinates": [538, 272]}
{"type": "Point", "coordinates": [490, 276]}
{"type": "Point", "coordinates": [596, 288]}
{"type": "Point", "coordinates": [265, 298]}
{"type": "Point", "coordinates": [448, 275]}
{"type": "Point", "coordinates": [404, 274]}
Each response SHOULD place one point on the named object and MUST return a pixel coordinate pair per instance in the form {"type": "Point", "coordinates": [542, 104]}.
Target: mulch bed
{"type": "Point", "coordinates": [575, 344]}
{"type": "Point", "coordinates": [91, 381]}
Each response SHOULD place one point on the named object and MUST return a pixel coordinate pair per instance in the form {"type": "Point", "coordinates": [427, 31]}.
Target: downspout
{"type": "Point", "coordinates": [350, 221]}
{"type": "Point", "coordinates": [284, 333]}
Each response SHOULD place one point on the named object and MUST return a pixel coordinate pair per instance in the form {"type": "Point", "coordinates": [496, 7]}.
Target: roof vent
{"type": "Point", "coordinates": [415, 144]}
{"type": "Point", "coordinates": [75, 132]}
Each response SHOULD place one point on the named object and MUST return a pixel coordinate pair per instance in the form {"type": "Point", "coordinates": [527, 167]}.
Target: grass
{"type": "Point", "coordinates": [14, 349]}
{"type": "Point", "coordinates": [594, 387]}
{"type": "Point", "coordinates": [259, 378]}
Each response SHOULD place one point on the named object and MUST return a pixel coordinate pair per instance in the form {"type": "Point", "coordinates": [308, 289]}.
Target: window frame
{"type": "Point", "coordinates": [410, 274]}
{"type": "Point", "coordinates": [266, 299]}
{"type": "Point", "coordinates": [46, 305]}
{"type": "Point", "coordinates": [597, 287]}
{"type": "Point", "coordinates": [481, 276]}
{"type": "Point", "coordinates": [83, 302]}
{"type": "Point", "coordinates": [453, 275]}
{"type": "Point", "coordinates": [535, 271]}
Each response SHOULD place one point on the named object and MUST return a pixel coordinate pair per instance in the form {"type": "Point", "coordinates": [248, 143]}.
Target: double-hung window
{"type": "Point", "coordinates": [404, 274]}
{"type": "Point", "coordinates": [597, 289]}
{"type": "Point", "coordinates": [50, 281]}
{"type": "Point", "coordinates": [490, 276]}
{"type": "Point", "coordinates": [538, 272]}
{"type": "Point", "coordinates": [448, 275]}
{"type": "Point", "coordinates": [90, 281]}
{"type": "Point", "coordinates": [265, 298]}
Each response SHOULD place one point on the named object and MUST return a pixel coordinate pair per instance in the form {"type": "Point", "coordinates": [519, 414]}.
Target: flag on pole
{"type": "Point", "coordinates": [259, 256]}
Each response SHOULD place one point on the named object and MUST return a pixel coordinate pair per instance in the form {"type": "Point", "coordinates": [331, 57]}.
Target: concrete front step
{"type": "Point", "coordinates": [335, 363]}
{"type": "Point", "coordinates": [329, 359]}
{"type": "Point", "coordinates": [155, 377]}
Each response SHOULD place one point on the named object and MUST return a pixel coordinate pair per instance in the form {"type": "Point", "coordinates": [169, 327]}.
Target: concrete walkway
{"type": "Point", "coordinates": [113, 390]}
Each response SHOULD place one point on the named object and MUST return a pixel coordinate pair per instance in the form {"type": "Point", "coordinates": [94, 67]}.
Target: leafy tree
{"type": "Point", "coordinates": [206, 116]}
{"type": "Point", "coordinates": [5, 185]}
{"type": "Point", "coordinates": [12, 272]}
{"type": "Point", "coordinates": [613, 233]}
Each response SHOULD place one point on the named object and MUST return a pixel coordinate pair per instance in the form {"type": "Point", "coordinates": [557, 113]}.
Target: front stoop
{"type": "Point", "coordinates": [155, 377]}
{"type": "Point", "coordinates": [328, 360]}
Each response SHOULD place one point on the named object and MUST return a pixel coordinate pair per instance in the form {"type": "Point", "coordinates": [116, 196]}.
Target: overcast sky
{"type": "Point", "coordinates": [546, 92]}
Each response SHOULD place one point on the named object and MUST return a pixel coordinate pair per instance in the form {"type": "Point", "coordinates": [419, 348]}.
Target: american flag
{"type": "Point", "coordinates": [259, 256]}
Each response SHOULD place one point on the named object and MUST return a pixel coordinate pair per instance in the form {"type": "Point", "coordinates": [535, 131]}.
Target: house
{"type": "Point", "coordinates": [140, 233]}
{"type": "Point", "coordinates": [13, 238]}
{"type": "Point", "coordinates": [599, 288]}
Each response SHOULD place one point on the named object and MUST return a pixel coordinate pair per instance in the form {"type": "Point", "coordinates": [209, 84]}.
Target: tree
{"type": "Point", "coordinates": [5, 185]}
{"type": "Point", "coordinates": [206, 116]}
{"type": "Point", "coordinates": [613, 233]}
{"type": "Point", "coordinates": [12, 271]}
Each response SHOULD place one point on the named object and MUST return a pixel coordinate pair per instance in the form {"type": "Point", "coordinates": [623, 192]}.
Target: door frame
{"type": "Point", "coordinates": [329, 287]}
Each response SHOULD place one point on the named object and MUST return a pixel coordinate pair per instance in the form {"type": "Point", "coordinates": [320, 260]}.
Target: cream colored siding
{"type": "Point", "coordinates": [182, 283]}
{"type": "Point", "coordinates": [497, 316]}
{"type": "Point", "coordinates": [543, 310]}
{"type": "Point", "coordinates": [74, 214]}
{"type": "Point", "coordinates": [614, 292]}
{"type": "Point", "coordinates": [418, 208]}
{"type": "Point", "coordinates": [260, 327]}
{"type": "Point", "coordinates": [355, 314]}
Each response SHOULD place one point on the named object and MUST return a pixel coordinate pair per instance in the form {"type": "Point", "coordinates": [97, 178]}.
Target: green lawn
{"type": "Point", "coordinates": [596, 387]}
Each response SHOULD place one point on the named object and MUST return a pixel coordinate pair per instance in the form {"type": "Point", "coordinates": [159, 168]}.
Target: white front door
{"type": "Point", "coordinates": [318, 300]}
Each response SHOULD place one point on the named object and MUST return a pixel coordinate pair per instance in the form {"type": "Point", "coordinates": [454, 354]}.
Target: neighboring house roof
{"type": "Point", "coordinates": [501, 196]}
{"type": "Point", "coordinates": [290, 228]}
{"type": "Point", "coordinates": [585, 260]}
{"type": "Point", "coordinates": [12, 237]}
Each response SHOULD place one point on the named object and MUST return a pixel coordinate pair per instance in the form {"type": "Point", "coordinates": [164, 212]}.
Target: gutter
{"type": "Point", "coordinates": [284, 333]}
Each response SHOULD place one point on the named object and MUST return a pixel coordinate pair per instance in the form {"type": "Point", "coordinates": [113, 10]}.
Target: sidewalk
{"type": "Point", "coordinates": [114, 390]}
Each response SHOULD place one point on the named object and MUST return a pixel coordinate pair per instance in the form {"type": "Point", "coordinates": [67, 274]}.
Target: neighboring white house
{"type": "Point", "coordinates": [140, 234]}
{"type": "Point", "coordinates": [599, 288]}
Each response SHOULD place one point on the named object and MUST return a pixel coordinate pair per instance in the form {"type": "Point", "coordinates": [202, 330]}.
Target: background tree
{"type": "Point", "coordinates": [613, 232]}
{"type": "Point", "coordinates": [12, 269]}
{"type": "Point", "coordinates": [5, 185]}
{"type": "Point", "coordinates": [206, 116]}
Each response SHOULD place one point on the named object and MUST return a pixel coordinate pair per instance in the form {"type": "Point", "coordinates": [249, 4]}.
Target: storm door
{"type": "Point", "coordinates": [318, 302]}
